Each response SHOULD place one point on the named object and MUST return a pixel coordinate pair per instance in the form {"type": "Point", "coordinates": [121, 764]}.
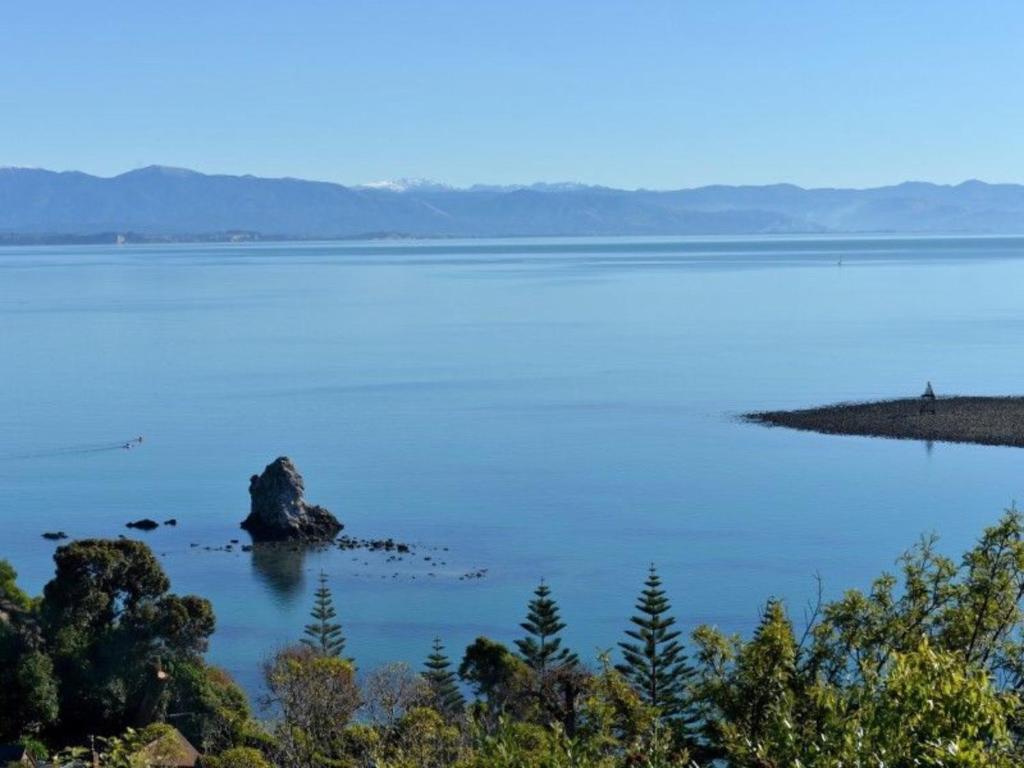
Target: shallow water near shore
{"type": "Point", "coordinates": [564, 409]}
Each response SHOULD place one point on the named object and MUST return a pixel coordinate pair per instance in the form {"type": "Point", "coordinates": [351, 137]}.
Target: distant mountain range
{"type": "Point", "coordinates": [171, 203]}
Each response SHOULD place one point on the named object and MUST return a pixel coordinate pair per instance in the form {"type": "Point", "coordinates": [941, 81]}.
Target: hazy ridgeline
{"type": "Point", "coordinates": [156, 202]}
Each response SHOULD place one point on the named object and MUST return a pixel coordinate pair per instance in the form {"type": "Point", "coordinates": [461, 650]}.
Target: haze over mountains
{"type": "Point", "coordinates": [157, 202]}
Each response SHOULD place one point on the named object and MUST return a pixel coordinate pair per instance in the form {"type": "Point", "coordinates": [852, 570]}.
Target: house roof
{"type": "Point", "coordinates": [170, 750]}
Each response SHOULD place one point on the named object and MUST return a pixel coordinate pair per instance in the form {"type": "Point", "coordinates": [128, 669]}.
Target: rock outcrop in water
{"type": "Point", "coordinates": [279, 511]}
{"type": "Point", "coordinates": [145, 524]}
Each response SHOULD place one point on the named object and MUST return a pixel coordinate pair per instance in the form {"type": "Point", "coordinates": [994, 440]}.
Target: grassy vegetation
{"type": "Point", "coordinates": [924, 668]}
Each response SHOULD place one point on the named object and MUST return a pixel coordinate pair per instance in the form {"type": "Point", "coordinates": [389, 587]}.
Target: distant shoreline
{"type": "Point", "coordinates": [111, 238]}
{"type": "Point", "coordinates": [135, 238]}
{"type": "Point", "coordinates": [956, 419]}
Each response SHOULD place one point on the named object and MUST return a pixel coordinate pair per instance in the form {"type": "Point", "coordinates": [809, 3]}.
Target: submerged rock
{"type": "Point", "coordinates": [279, 511]}
{"type": "Point", "coordinates": [145, 524]}
{"type": "Point", "coordinates": [55, 535]}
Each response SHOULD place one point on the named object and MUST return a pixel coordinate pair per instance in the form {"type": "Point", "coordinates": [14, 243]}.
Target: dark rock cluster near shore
{"type": "Point", "coordinates": [981, 420]}
{"type": "Point", "coordinates": [374, 545]}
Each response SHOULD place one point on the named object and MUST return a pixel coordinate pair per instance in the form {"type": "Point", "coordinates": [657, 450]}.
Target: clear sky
{"type": "Point", "coordinates": [631, 94]}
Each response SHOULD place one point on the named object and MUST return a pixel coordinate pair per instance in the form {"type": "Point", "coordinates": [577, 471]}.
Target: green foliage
{"type": "Point", "coordinates": [210, 710]}
{"type": "Point", "coordinates": [445, 694]}
{"type": "Point", "coordinates": [972, 608]}
{"type": "Point", "coordinates": [934, 709]}
{"type": "Point", "coordinates": [423, 739]}
{"type": "Point", "coordinates": [362, 745]}
{"type": "Point", "coordinates": [497, 676]}
{"type": "Point", "coordinates": [616, 727]}
{"type": "Point", "coordinates": [238, 757]}
{"type": "Point", "coordinates": [10, 593]}
{"type": "Point", "coordinates": [36, 685]}
{"type": "Point", "coordinates": [542, 648]}
{"type": "Point", "coordinates": [922, 670]}
{"type": "Point", "coordinates": [97, 582]}
{"type": "Point", "coordinates": [749, 691]}
{"type": "Point", "coordinates": [654, 661]}
{"type": "Point", "coordinates": [316, 696]}
{"type": "Point", "coordinates": [154, 745]}
{"type": "Point", "coordinates": [925, 668]}
{"type": "Point", "coordinates": [111, 630]}
{"type": "Point", "coordinates": [37, 749]}
{"type": "Point", "coordinates": [324, 633]}
{"type": "Point", "coordinates": [516, 744]}
{"type": "Point", "coordinates": [28, 688]}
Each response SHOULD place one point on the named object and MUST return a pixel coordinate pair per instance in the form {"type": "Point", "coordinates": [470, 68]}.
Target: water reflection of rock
{"type": "Point", "coordinates": [280, 568]}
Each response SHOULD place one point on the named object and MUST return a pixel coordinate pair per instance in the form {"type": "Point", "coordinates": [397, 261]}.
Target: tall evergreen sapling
{"type": "Point", "coordinates": [447, 697]}
{"type": "Point", "coordinates": [324, 634]}
{"type": "Point", "coordinates": [542, 649]}
{"type": "Point", "coordinates": [654, 662]}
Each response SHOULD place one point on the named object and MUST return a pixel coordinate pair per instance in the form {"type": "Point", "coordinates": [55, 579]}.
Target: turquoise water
{"type": "Point", "coordinates": [562, 409]}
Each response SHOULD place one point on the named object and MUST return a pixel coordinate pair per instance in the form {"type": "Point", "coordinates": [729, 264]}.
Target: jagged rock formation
{"type": "Point", "coordinates": [279, 511]}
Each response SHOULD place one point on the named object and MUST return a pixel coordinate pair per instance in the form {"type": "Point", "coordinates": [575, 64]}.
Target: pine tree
{"type": "Point", "coordinates": [448, 699]}
{"type": "Point", "coordinates": [542, 649]}
{"type": "Point", "coordinates": [655, 663]}
{"type": "Point", "coordinates": [324, 634]}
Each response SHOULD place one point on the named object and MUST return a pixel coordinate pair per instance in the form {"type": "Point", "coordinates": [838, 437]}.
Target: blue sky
{"type": "Point", "coordinates": [630, 94]}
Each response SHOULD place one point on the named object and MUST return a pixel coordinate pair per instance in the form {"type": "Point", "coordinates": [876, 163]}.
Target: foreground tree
{"type": "Point", "coordinates": [324, 633]}
{"type": "Point", "coordinates": [237, 757]}
{"type": "Point", "coordinates": [750, 693]}
{"type": "Point", "coordinates": [500, 680]}
{"type": "Point", "coordinates": [617, 727]}
{"type": "Point", "coordinates": [542, 647]}
{"type": "Point", "coordinates": [107, 648]}
{"type": "Point", "coordinates": [423, 739]}
{"type": "Point", "coordinates": [28, 687]}
{"type": "Point", "coordinates": [559, 679]}
{"type": "Point", "coordinates": [653, 658]}
{"type": "Point", "coordinates": [12, 598]}
{"type": "Point", "coordinates": [446, 697]}
{"type": "Point", "coordinates": [923, 670]}
{"type": "Point", "coordinates": [209, 708]}
{"type": "Point", "coordinates": [29, 702]}
{"type": "Point", "coordinates": [316, 696]}
{"type": "Point", "coordinates": [115, 633]}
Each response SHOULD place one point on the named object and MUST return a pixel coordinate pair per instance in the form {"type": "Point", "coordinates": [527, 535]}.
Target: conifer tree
{"type": "Point", "coordinates": [448, 699]}
{"type": "Point", "coordinates": [324, 634]}
{"type": "Point", "coordinates": [542, 649]}
{"type": "Point", "coordinates": [654, 661]}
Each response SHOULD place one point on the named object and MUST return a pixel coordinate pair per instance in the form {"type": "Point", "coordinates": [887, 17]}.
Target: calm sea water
{"type": "Point", "coordinates": [563, 409]}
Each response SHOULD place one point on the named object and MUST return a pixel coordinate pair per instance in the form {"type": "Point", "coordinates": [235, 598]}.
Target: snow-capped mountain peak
{"type": "Point", "coordinates": [406, 185]}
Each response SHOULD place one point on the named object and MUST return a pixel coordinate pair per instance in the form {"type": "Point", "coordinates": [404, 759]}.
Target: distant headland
{"type": "Point", "coordinates": [953, 419]}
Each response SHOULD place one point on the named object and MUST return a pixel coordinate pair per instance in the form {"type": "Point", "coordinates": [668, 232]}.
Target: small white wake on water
{"type": "Point", "coordinates": [71, 450]}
